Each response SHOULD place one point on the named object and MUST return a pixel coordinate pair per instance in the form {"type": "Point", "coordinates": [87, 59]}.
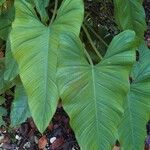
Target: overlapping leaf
{"type": "Point", "coordinates": [41, 8]}
{"type": "Point", "coordinates": [3, 111]}
{"type": "Point", "coordinates": [130, 15]}
{"type": "Point", "coordinates": [11, 67]}
{"type": "Point", "coordinates": [6, 19]}
{"type": "Point", "coordinates": [2, 1]}
{"type": "Point", "coordinates": [93, 95]}
{"type": "Point", "coordinates": [4, 85]}
{"type": "Point", "coordinates": [20, 109]}
{"type": "Point", "coordinates": [34, 46]}
{"type": "Point", "coordinates": [137, 106]}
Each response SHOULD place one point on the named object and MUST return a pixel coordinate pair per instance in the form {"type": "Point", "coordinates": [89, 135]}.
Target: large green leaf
{"type": "Point", "coordinates": [20, 109]}
{"type": "Point", "coordinates": [93, 95]}
{"type": "Point", "coordinates": [34, 46]}
{"type": "Point", "coordinates": [130, 15]}
{"type": "Point", "coordinates": [11, 67]}
{"type": "Point", "coordinates": [137, 106]}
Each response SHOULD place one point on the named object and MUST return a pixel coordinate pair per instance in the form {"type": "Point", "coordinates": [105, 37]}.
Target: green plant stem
{"type": "Point", "coordinates": [55, 11]}
{"type": "Point", "coordinates": [91, 42]}
{"type": "Point", "coordinates": [98, 36]}
{"type": "Point", "coordinates": [88, 57]}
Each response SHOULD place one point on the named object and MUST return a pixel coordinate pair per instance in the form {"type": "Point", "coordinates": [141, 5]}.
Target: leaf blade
{"type": "Point", "coordinates": [93, 95]}
{"type": "Point", "coordinates": [39, 61]}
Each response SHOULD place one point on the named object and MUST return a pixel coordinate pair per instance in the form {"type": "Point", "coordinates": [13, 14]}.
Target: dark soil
{"type": "Point", "coordinates": [58, 136]}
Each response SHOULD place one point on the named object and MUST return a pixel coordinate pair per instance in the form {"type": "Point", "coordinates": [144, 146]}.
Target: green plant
{"type": "Point", "coordinates": [92, 80]}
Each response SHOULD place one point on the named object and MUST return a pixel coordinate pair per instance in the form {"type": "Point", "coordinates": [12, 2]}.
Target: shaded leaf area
{"type": "Point", "coordinates": [4, 85]}
{"type": "Point", "coordinates": [6, 18]}
{"type": "Point", "coordinates": [11, 67]}
{"type": "Point", "coordinates": [19, 109]}
{"type": "Point", "coordinates": [130, 15]}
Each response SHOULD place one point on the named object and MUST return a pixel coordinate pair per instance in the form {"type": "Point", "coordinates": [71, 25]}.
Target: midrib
{"type": "Point", "coordinates": [95, 102]}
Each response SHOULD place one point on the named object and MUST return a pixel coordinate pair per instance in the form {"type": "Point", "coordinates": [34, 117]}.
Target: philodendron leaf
{"type": "Point", "coordinates": [137, 105]}
{"type": "Point", "coordinates": [11, 67]}
{"type": "Point", "coordinates": [130, 15]}
{"type": "Point", "coordinates": [19, 109]}
{"type": "Point", "coordinates": [34, 46]}
{"type": "Point", "coordinates": [93, 95]}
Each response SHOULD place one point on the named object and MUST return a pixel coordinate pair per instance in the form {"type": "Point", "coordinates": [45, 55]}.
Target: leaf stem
{"type": "Point", "coordinates": [91, 42]}
{"type": "Point", "coordinates": [93, 31]}
{"type": "Point", "coordinates": [55, 11]}
{"type": "Point", "coordinates": [88, 57]}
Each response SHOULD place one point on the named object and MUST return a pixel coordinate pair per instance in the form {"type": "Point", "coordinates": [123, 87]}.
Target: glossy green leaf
{"type": "Point", "coordinates": [137, 105]}
{"type": "Point", "coordinates": [93, 95]}
{"type": "Point", "coordinates": [130, 15]}
{"type": "Point", "coordinates": [11, 67]}
{"type": "Point", "coordinates": [34, 46]}
{"type": "Point", "coordinates": [20, 109]}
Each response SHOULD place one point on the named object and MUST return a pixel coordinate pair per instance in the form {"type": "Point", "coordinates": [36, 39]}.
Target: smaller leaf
{"type": "Point", "coordinates": [2, 122]}
{"type": "Point", "coordinates": [40, 6]}
{"type": "Point", "coordinates": [2, 2]}
{"type": "Point", "coordinates": [6, 19]}
{"type": "Point", "coordinates": [3, 111]}
{"type": "Point", "coordinates": [11, 67]}
{"type": "Point", "coordinates": [130, 14]}
{"type": "Point", "coordinates": [20, 109]}
{"type": "Point", "coordinates": [4, 85]}
{"type": "Point", "coordinates": [2, 100]}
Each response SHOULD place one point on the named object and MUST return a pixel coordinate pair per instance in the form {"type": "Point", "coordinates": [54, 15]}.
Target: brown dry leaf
{"type": "Point", "coordinates": [42, 142]}
{"type": "Point", "coordinates": [57, 143]}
